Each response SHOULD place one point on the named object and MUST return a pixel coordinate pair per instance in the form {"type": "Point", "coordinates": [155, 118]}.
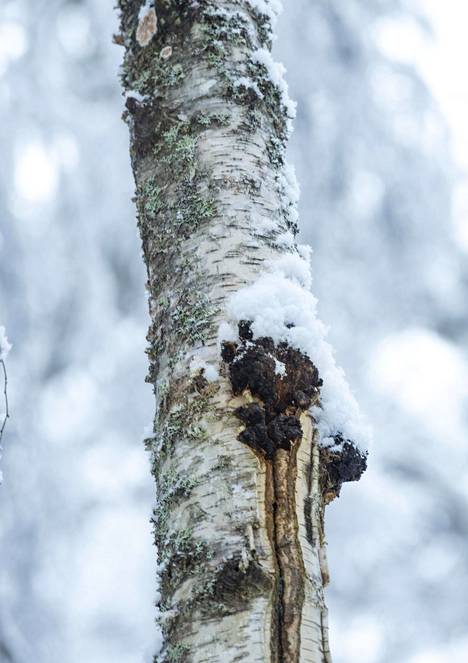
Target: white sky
{"type": "Point", "coordinates": [444, 67]}
{"type": "Point", "coordinates": [442, 60]}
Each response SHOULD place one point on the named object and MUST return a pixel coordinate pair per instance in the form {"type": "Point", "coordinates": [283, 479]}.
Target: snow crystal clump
{"type": "Point", "coordinates": [141, 98]}
{"type": "Point", "coordinates": [290, 184]}
{"type": "Point", "coordinates": [144, 9]}
{"type": "Point", "coordinates": [5, 346]}
{"type": "Point", "coordinates": [279, 304]}
{"type": "Point", "coordinates": [291, 192]}
{"type": "Point", "coordinates": [269, 8]}
{"type": "Point", "coordinates": [276, 72]}
{"type": "Point", "coordinates": [280, 367]}
{"type": "Point", "coordinates": [247, 83]}
{"type": "Point", "coordinates": [199, 363]}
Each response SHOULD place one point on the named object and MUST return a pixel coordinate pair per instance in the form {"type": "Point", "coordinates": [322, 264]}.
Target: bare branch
{"type": "Point", "coordinates": [5, 394]}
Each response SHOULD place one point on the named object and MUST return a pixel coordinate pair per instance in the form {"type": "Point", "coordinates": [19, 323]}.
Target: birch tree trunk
{"type": "Point", "coordinates": [241, 479]}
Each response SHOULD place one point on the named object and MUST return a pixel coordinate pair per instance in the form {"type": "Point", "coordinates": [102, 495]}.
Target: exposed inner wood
{"type": "Point", "coordinates": [288, 555]}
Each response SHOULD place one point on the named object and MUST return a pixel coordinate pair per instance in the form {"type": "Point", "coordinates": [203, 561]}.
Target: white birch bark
{"type": "Point", "coordinates": [239, 535]}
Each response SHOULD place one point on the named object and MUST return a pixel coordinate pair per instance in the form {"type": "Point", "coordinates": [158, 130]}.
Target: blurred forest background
{"type": "Point", "coordinates": [380, 153]}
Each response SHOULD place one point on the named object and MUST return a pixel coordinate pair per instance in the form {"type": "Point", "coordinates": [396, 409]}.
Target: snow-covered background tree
{"type": "Point", "coordinates": [373, 158]}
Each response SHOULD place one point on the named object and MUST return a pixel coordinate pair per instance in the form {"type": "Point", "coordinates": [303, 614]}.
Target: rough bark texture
{"type": "Point", "coordinates": [239, 519]}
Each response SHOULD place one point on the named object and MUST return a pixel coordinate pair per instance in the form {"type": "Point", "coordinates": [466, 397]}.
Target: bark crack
{"type": "Point", "coordinates": [290, 596]}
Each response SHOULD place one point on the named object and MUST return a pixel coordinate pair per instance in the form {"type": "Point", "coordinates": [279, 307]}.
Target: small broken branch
{"type": "Point", "coordinates": [5, 395]}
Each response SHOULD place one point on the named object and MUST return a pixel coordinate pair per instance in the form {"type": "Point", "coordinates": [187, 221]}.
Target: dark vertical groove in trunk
{"type": "Point", "coordinates": [271, 509]}
{"type": "Point", "coordinates": [288, 555]}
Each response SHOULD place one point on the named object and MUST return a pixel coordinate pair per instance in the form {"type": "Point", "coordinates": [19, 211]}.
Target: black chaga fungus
{"type": "Point", "coordinates": [255, 433]}
{"type": "Point", "coordinates": [254, 369]}
{"type": "Point", "coordinates": [251, 414]}
{"type": "Point", "coordinates": [257, 437]}
{"type": "Point", "coordinates": [245, 330]}
{"type": "Point", "coordinates": [284, 430]}
{"type": "Point", "coordinates": [303, 383]}
{"type": "Point", "coordinates": [284, 380]}
{"type": "Point", "coordinates": [340, 465]}
{"type": "Point", "coordinates": [144, 117]}
{"type": "Point", "coordinates": [228, 351]}
{"type": "Point", "coordinates": [286, 383]}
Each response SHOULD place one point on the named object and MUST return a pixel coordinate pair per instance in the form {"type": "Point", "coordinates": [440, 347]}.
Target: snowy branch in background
{"type": "Point", "coordinates": [5, 348]}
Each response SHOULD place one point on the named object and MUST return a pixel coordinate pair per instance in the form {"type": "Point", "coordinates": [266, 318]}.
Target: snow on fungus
{"type": "Point", "coordinates": [147, 25]}
{"type": "Point", "coordinates": [279, 305]}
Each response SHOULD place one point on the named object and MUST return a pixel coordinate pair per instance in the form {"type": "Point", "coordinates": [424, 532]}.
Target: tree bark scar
{"type": "Point", "coordinates": [270, 509]}
{"type": "Point", "coordinates": [288, 554]}
{"type": "Point", "coordinates": [285, 383]}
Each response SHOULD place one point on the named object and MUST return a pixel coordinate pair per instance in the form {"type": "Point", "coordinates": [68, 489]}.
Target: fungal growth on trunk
{"type": "Point", "coordinates": [339, 464]}
{"type": "Point", "coordinates": [284, 382]}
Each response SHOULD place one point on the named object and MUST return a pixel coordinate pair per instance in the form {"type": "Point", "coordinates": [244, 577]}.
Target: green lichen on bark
{"type": "Point", "coordinates": [178, 653]}
{"type": "Point", "coordinates": [181, 421]}
{"type": "Point", "coordinates": [227, 40]}
{"type": "Point", "coordinates": [180, 551]}
{"type": "Point", "coordinates": [171, 201]}
{"type": "Point", "coordinates": [173, 486]}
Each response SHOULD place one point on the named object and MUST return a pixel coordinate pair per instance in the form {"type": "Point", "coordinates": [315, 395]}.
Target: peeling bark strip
{"type": "Point", "coordinates": [238, 526]}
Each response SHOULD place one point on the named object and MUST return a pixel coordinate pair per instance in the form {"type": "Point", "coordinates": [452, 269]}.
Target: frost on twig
{"type": "Point", "coordinates": [5, 395]}
{"type": "Point", "coordinates": [5, 348]}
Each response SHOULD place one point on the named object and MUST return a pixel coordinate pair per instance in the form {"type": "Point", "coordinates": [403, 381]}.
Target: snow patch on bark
{"type": "Point", "coordinates": [280, 305]}
{"type": "Point", "coordinates": [199, 363]}
{"type": "Point", "coordinates": [133, 94]}
{"type": "Point", "coordinates": [280, 368]}
{"type": "Point", "coordinates": [248, 84]}
{"type": "Point", "coordinates": [269, 8]}
{"type": "Point", "coordinates": [276, 72]}
{"type": "Point", "coordinates": [291, 191]}
{"type": "Point", "coordinates": [5, 347]}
